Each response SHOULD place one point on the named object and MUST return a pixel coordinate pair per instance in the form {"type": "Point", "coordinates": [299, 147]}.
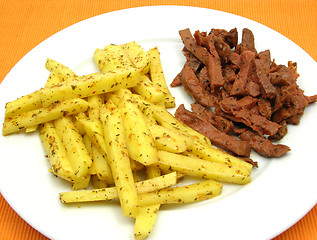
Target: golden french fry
{"type": "Point", "coordinates": [145, 221]}
{"type": "Point", "coordinates": [145, 109]}
{"type": "Point", "coordinates": [56, 153]}
{"type": "Point", "coordinates": [204, 169]}
{"type": "Point", "coordinates": [95, 102]}
{"type": "Point", "coordinates": [82, 183]}
{"type": "Point", "coordinates": [63, 72]}
{"type": "Point", "coordinates": [42, 115]}
{"type": "Point", "coordinates": [136, 166]}
{"type": "Point", "coordinates": [79, 125]}
{"type": "Point", "coordinates": [140, 143]}
{"type": "Point", "coordinates": [148, 90]}
{"type": "Point", "coordinates": [106, 194]}
{"type": "Point", "coordinates": [185, 194]}
{"type": "Point", "coordinates": [112, 57]}
{"type": "Point", "coordinates": [52, 80]}
{"type": "Point", "coordinates": [101, 166]}
{"type": "Point", "coordinates": [170, 140]}
{"type": "Point", "coordinates": [93, 128]}
{"type": "Point", "coordinates": [118, 158]}
{"type": "Point", "coordinates": [88, 145]}
{"type": "Point", "coordinates": [137, 55]}
{"type": "Point", "coordinates": [158, 78]}
{"type": "Point", "coordinates": [92, 85]}
{"type": "Point", "coordinates": [23, 104]}
{"type": "Point", "coordinates": [74, 145]}
{"type": "Point", "coordinates": [97, 183]}
{"type": "Point", "coordinates": [146, 218]}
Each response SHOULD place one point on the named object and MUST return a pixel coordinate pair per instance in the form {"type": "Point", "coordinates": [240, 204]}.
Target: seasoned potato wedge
{"type": "Point", "coordinates": [118, 159]}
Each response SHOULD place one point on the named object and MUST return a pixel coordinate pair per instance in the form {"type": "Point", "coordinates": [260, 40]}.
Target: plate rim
{"type": "Point", "coordinates": [118, 12]}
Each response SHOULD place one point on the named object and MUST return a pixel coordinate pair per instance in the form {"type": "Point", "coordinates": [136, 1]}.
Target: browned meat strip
{"type": "Point", "coordinates": [247, 43]}
{"type": "Point", "coordinates": [265, 59]}
{"type": "Point", "coordinates": [229, 73]}
{"type": "Point", "coordinates": [203, 78]}
{"type": "Point", "coordinates": [191, 61]}
{"type": "Point", "coordinates": [253, 89]}
{"type": "Point", "coordinates": [206, 41]}
{"type": "Point", "coordinates": [230, 37]}
{"type": "Point", "coordinates": [293, 104]}
{"type": "Point", "coordinates": [246, 66]}
{"type": "Point", "coordinates": [268, 90]}
{"type": "Point", "coordinates": [219, 122]}
{"type": "Point", "coordinates": [194, 87]}
{"type": "Point", "coordinates": [282, 75]}
{"type": "Point", "coordinates": [213, 65]}
{"type": "Point", "coordinates": [234, 111]}
{"type": "Point", "coordinates": [218, 138]}
{"type": "Point", "coordinates": [280, 133]}
{"type": "Point", "coordinates": [263, 146]}
{"type": "Point", "coordinates": [265, 108]}
{"type": "Point", "coordinates": [222, 48]}
{"type": "Point", "coordinates": [247, 102]}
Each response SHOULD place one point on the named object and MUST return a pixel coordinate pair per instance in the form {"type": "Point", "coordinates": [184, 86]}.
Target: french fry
{"type": "Point", "coordinates": [42, 115]}
{"type": "Point", "coordinates": [184, 194]}
{"type": "Point", "coordinates": [92, 85]}
{"type": "Point", "coordinates": [95, 102]}
{"type": "Point", "coordinates": [97, 183]}
{"type": "Point", "coordinates": [31, 101]}
{"type": "Point", "coordinates": [52, 80]}
{"type": "Point", "coordinates": [211, 153]}
{"type": "Point", "coordinates": [79, 125]}
{"type": "Point", "coordinates": [158, 78]}
{"type": "Point", "coordinates": [170, 140]}
{"type": "Point", "coordinates": [148, 90]}
{"type": "Point", "coordinates": [74, 145]}
{"type": "Point", "coordinates": [146, 218]}
{"type": "Point", "coordinates": [101, 166]}
{"type": "Point", "coordinates": [93, 128]}
{"type": "Point", "coordinates": [88, 145]}
{"type": "Point", "coordinates": [63, 72]}
{"type": "Point", "coordinates": [112, 57]}
{"type": "Point", "coordinates": [137, 55]}
{"type": "Point", "coordinates": [140, 143]}
{"type": "Point", "coordinates": [204, 169]}
{"type": "Point", "coordinates": [145, 221]}
{"type": "Point", "coordinates": [82, 183]}
{"type": "Point", "coordinates": [106, 194]}
{"type": "Point", "coordinates": [136, 166]}
{"type": "Point", "coordinates": [118, 158]}
{"type": "Point", "coordinates": [23, 104]}
{"type": "Point", "coordinates": [56, 153]}
{"type": "Point", "coordinates": [144, 107]}
{"type": "Point", "coordinates": [136, 176]}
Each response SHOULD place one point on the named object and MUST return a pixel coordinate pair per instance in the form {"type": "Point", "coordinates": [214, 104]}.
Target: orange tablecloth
{"type": "Point", "coordinates": [24, 24]}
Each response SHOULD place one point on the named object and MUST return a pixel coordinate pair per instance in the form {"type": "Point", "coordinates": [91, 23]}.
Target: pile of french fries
{"type": "Point", "coordinates": [111, 136]}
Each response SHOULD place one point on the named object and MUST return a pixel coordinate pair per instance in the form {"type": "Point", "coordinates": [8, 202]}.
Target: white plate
{"type": "Point", "coordinates": [281, 192]}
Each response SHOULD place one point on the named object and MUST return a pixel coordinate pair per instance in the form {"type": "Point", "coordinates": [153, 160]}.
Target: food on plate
{"type": "Point", "coordinates": [110, 135]}
{"type": "Point", "coordinates": [105, 194]}
{"type": "Point", "coordinates": [44, 114]}
{"type": "Point", "coordinates": [243, 99]}
{"type": "Point", "coordinates": [158, 78]}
